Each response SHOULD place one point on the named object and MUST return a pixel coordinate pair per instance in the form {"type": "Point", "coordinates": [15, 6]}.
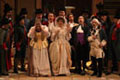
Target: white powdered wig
{"type": "Point", "coordinates": [97, 21]}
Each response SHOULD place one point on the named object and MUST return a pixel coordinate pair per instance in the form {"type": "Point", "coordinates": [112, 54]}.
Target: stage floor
{"type": "Point", "coordinates": [23, 76]}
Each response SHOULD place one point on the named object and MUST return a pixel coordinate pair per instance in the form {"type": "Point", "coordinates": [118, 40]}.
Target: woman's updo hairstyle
{"type": "Point", "coordinates": [60, 18]}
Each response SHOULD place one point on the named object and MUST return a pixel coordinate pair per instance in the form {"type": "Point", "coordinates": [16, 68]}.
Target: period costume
{"type": "Point", "coordinates": [60, 52]}
{"type": "Point", "coordinates": [20, 37]}
{"type": "Point", "coordinates": [106, 25]}
{"type": "Point", "coordinates": [114, 47]}
{"type": "Point", "coordinates": [3, 53]}
{"type": "Point", "coordinates": [9, 45]}
{"type": "Point", "coordinates": [7, 9]}
{"type": "Point", "coordinates": [4, 37]}
{"type": "Point", "coordinates": [96, 52]}
{"type": "Point", "coordinates": [41, 65]}
{"type": "Point", "coordinates": [72, 25]}
{"type": "Point", "coordinates": [80, 44]}
{"type": "Point", "coordinates": [24, 12]}
{"type": "Point", "coordinates": [51, 26]}
{"type": "Point", "coordinates": [114, 40]}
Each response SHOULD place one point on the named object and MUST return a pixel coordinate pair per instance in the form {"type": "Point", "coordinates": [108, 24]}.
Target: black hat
{"type": "Point", "coordinates": [62, 9]}
{"type": "Point", "coordinates": [117, 15]}
{"type": "Point", "coordinates": [104, 13]}
{"type": "Point", "coordinates": [23, 11]}
{"type": "Point", "coordinates": [98, 14]}
{"type": "Point", "coordinates": [4, 21]}
{"type": "Point", "coordinates": [100, 6]}
{"type": "Point", "coordinates": [7, 8]}
{"type": "Point", "coordinates": [19, 18]}
{"type": "Point", "coordinates": [38, 11]}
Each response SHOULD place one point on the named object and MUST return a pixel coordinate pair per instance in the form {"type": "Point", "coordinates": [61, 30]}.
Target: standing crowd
{"type": "Point", "coordinates": [54, 44]}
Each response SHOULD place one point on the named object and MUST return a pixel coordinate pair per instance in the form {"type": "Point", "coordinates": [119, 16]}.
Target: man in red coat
{"type": "Point", "coordinates": [8, 16]}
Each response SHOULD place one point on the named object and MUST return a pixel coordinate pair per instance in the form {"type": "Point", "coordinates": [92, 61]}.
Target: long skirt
{"type": "Point", "coordinates": [60, 61]}
{"type": "Point", "coordinates": [41, 64]}
{"type": "Point", "coordinates": [29, 56]}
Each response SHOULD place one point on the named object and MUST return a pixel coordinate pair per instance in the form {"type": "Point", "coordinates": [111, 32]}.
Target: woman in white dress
{"type": "Point", "coordinates": [60, 48]}
{"type": "Point", "coordinates": [38, 35]}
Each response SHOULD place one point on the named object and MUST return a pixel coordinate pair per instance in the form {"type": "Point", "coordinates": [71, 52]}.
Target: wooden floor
{"type": "Point", "coordinates": [23, 76]}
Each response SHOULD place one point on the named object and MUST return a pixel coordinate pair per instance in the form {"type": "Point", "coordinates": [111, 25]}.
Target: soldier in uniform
{"type": "Point", "coordinates": [3, 46]}
{"type": "Point", "coordinates": [8, 16]}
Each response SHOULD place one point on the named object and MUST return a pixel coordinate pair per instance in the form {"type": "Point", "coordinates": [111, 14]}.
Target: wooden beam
{"type": "Point", "coordinates": [0, 9]}
{"type": "Point", "coordinates": [16, 7]}
{"type": "Point", "coordinates": [38, 3]}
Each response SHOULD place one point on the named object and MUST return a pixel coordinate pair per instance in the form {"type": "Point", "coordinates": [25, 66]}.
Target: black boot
{"type": "Point", "coordinates": [78, 66]}
{"type": "Point", "coordinates": [23, 50]}
{"type": "Point", "coordinates": [5, 74]}
{"type": "Point", "coordinates": [78, 70]}
{"type": "Point", "coordinates": [16, 60]}
{"type": "Point", "coordinates": [84, 66]}
{"type": "Point", "coordinates": [94, 62]}
{"type": "Point", "coordinates": [22, 65]}
{"type": "Point", "coordinates": [83, 72]}
{"type": "Point", "coordinates": [100, 67]}
{"type": "Point", "coordinates": [15, 66]}
{"type": "Point", "coordinates": [23, 68]}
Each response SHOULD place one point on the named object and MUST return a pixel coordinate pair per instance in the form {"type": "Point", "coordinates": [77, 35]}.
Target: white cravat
{"type": "Point", "coordinates": [79, 30]}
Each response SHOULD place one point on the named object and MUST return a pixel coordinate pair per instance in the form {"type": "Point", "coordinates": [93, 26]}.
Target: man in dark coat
{"type": "Point", "coordinates": [24, 13]}
{"type": "Point", "coordinates": [3, 47]}
{"type": "Point", "coordinates": [114, 49]}
{"type": "Point", "coordinates": [8, 15]}
{"type": "Point", "coordinates": [20, 38]}
{"type": "Point", "coordinates": [106, 25]}
{"type": "Point", "coordinates": [80, 45]}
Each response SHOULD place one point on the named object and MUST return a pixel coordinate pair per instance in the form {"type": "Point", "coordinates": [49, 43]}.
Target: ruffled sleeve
{"type": "Point", "coordinates": [53, 34]}
{"type": "Point", "coordinates": [46, 31]}
{"type": "Point", "coordinates": [31, 32]}
{"type": "Point", "coordinates": [68, 36]}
